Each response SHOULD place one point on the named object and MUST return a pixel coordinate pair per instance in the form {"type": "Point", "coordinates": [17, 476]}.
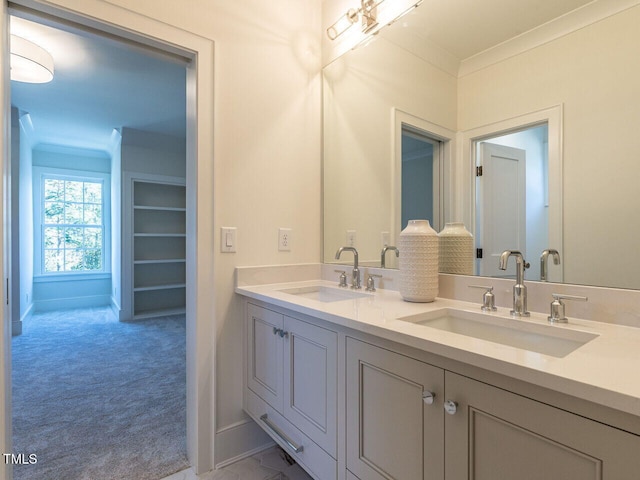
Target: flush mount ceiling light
{"type": "Point", "coordinates": [30, 63]}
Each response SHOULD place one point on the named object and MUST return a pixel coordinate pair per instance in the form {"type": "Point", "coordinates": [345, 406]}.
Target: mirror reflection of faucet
{"type": "Point", "coordinates": [519, 289]}
{"type": "Point", "coordinates": [543, 262]}
{"type": "Point", "coordinates": [383, 254]}
{"type": "Point", "coordinates": [355, 276]}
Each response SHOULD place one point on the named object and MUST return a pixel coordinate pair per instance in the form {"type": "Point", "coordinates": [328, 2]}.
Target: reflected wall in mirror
{"type": "Point", "coordinates": [585, 62]}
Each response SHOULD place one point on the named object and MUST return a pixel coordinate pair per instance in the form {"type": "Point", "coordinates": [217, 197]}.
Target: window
{"type": "Point", "coordinates": [73, 228]}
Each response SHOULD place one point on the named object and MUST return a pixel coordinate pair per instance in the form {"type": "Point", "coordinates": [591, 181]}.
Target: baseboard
{"type": "Point", "coordinates": [73, 302]}
{"type": "Point", "coordinates": [115, 308]}
{"type": "Point", "coordinates": [27, 313]}
{"type": "Point", "coordinates": [240, 440]}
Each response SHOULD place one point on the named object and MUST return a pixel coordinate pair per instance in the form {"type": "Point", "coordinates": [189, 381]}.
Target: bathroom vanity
{"type": "Point", "coordinates": [357, 385]}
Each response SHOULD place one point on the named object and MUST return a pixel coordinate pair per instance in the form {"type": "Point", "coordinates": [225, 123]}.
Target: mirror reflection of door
{"type": "Point", "coordinates": [501, 198]}
{"type": "Point", "coordinates": [421, 158]}
{"type": "Point", "coordinates": [512, 199]}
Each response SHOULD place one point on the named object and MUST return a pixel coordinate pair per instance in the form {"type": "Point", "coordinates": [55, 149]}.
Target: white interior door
{"type": "Point", "coordinates": [501, 218]}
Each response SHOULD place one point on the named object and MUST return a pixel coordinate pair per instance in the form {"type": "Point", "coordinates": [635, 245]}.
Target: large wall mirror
{"type": "Point", "coordinates": [447, 71]}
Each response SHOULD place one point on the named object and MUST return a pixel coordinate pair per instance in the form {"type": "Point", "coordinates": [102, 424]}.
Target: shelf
{"type": "Point", "coordinates": [163, 312]}
{"type": "Point", "coordinates": [161, 209]}
{"type": "Point", "coordinates": [160, 235]}
{"type": "Point", "coordinates": [157, 194]}
{"type": "Point", "coordinates": [160, 287]}
{"type": "Point", "coordinates": [158, 261]}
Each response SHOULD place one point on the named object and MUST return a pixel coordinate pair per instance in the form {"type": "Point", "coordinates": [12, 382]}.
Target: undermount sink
{"type": "Point", "coordinates": [546, 339]}
{"type": "Point", "coordinates": [322, 293]}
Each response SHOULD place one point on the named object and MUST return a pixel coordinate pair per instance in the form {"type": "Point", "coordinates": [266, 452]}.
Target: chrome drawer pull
{"type": "Point", "coordinates": [282, 435]}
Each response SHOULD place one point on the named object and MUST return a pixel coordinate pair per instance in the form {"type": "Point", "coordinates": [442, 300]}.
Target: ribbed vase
{"type": "Point", "coordinates": [419, 247]}
{"type": "Point", "coordinates": [456, 249]}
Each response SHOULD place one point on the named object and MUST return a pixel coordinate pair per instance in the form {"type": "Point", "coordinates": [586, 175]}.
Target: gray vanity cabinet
{"type": "Point", "coordinates": [394, 415]}
{"type": "Point", "coordinates": [468, 430]}
{"type": "Point", "coordinates": [292, 386]}
{"type": "Point", "coordinates": [496, 434]}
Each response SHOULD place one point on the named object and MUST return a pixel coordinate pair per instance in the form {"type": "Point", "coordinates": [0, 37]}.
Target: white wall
{"type": "Point", "coordinates": [591, 74]}
{"type": "Point", "coordinates": [146, 152]}
{"type": "Point", "coordinates": [62, 291]}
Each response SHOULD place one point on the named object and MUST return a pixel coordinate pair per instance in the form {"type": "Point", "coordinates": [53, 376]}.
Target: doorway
{"type": "Point", "coordinates": [421, 167]}
{"type": "Point", "coordinates": [72, 220]}
{"type": "Point", "coordinates": [130, 26]}
{"type": "Point", "coordinates": [512, 198]}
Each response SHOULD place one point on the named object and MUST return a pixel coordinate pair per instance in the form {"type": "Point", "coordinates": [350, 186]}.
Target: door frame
{"type": "Point", "coordinates": [130, 26]}
{"type": "Point", "coordinates": [448, 148]}
{"type": "Point", "coordinates": [552, 116]}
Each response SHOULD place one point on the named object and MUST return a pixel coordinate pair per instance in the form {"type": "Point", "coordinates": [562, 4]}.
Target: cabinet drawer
{"type": "Point", "coordinates": [312, 458]}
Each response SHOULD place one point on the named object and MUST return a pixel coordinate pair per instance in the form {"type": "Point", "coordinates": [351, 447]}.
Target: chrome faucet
{"type": "Point", "coordinates": [355, 276]}
{"type": "Point", "coordinates": [383, 254]}
{"type": "Point", "coordinates": [543, 262]}
{"type": "Point", "coordinates": [519, 289]}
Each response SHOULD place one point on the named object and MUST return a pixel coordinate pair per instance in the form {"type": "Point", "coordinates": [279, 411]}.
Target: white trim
{"type": "Point", "coordinates": [558, 27]}
{"type": "Point", "coordinates": [201, 317]}
{"type": "Point", "coordinates": [72, 302]}
{"type": "Point", "coordinates": [552, 116]}
{"type": "Point", "coordinates": [39, 174]}
{"type": "Point", "coordinates": [5, 329]}
{"type": "Point", "coordinates": [437, 132]}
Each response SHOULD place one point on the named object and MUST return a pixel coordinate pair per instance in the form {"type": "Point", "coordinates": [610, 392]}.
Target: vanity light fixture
{"type": "Point", "coordinates": [367, 13]}
{"type": "Point", "coordinates": [30, 63]}
{"type": "Point", "coordinates": [369, 18]}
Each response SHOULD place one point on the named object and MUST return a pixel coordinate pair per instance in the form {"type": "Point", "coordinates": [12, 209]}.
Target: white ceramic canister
{"type": "Point", "coordinates": [419, 247]}
{"type": "Point", "coordinates": [456, 249]}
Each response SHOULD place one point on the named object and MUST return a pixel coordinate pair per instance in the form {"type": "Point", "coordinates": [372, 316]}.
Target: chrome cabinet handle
{"type": "Point", "coordinates": [428, 397]}
{"type": "Point", "coordinates": [450, 407]}
{"type": "Point", "coordinates": [282, 435]}
{"type": "Point", "coordinates": [281, 332]}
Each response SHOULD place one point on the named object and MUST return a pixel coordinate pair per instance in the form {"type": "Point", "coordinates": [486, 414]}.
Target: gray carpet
{"type": "Point", "coordinates": [98, 399]}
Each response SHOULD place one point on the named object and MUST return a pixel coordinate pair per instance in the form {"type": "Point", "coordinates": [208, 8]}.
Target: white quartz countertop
{"type": "Point", "coordinates": [605, 370]}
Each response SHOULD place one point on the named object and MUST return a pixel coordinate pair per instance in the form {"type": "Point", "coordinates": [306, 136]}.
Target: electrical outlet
{"type": "Point", "coordinates": [284, 239]}
{"type": "Point", "coordinates": [351, 238]}
{"type": "Point", "coordinates": [384, 238]}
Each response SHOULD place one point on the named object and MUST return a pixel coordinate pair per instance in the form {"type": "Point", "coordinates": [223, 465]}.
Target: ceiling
{"type": "Point", "coordinates": [99, 85]}
{"type": "Point", "coordinates": [465, 28]}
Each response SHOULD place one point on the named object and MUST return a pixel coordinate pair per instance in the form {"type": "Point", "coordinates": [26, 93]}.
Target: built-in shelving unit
{"type": "Point", "coordinates": [158, 241]}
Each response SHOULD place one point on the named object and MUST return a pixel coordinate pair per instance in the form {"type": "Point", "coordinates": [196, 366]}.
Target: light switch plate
{"type": "Point", "coordinates": [228, 239]}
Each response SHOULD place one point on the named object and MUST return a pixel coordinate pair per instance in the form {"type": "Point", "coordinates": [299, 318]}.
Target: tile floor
{"type": "Point", "coordinates": [270, 464]}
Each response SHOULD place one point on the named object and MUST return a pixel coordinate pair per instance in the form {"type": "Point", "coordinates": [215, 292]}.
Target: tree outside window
{"type": "Point", "coordinates": [73, 228]}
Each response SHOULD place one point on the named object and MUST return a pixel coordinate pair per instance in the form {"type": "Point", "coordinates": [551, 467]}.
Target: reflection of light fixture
{"type": "Point", "coordinates": [30, 62]}
{"type": "Point", "coordinates": [367, 12]}
{"type": "Point", "coordinates": [368, 15]}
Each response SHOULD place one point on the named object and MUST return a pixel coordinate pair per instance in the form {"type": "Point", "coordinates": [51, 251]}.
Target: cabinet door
{"type": "Point", "coordinates": [495, 434]}
{"type": "Point", "coordinates": [310, 381]}
{"type": "Point", "coordinates": [264, 354]}
{"type": "Point", "coordinates": [392, 432]}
